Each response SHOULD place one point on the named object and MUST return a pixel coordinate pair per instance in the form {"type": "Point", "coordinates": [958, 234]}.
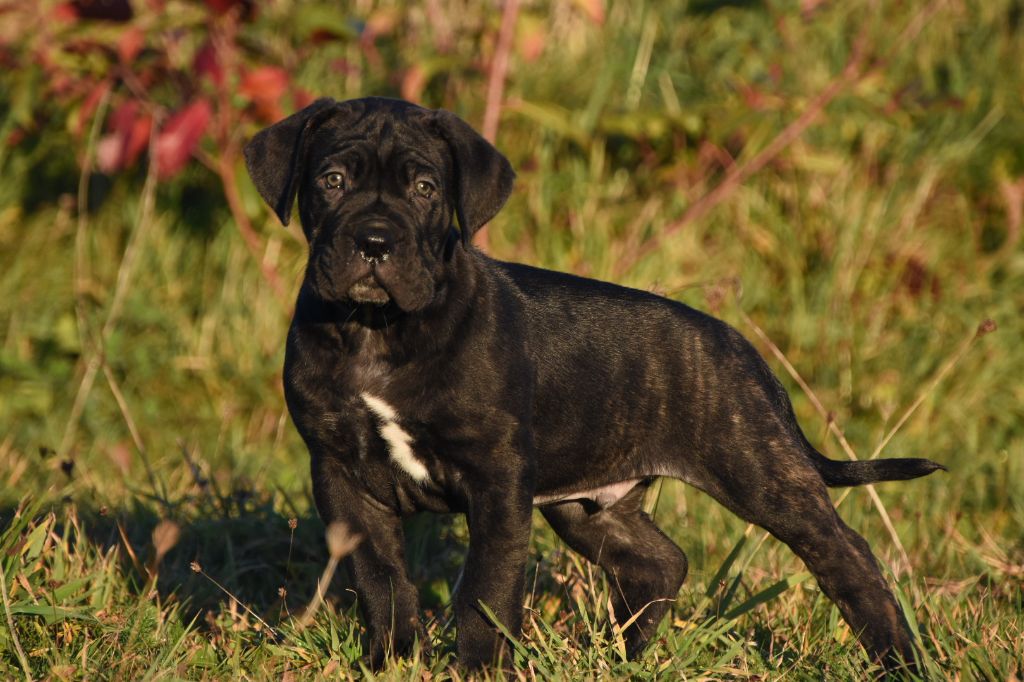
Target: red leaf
{"type": "Point", "coordinates": [265, 86]}
{"type": "Point", "coordinates": [302, 98]}
{"type": "Point", "coordinates": [130, 44]}
{"type": "Point", "coordinates": [180, 136]}
{"type": "Point", "coordinates": [65, 13]}
{"type": "Point", "coordinates": [15, 138]}
{"type": "Point", "coordinates": [264, 83]}
{"type": "Point", "coordinates": [207, 64]}
{"type": "Point", "coordinates": [220, 6]}
{"type": "Point", "coordinates": [110, 150]}
{"type": "Point", "coordinates": [137, 139]}
{"type": "Point", "coordinates": [122, 115]}
{"type": "Point", "coordinates": [89, 105]}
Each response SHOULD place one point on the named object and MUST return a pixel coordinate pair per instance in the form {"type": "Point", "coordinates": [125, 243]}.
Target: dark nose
{"type": "Point", "coordinates": [374, 243]}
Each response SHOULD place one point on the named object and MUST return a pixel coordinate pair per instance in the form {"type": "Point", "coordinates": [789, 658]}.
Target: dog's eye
{"type": "Point", "coordinates": [333, 180]}
{"type": "Point", "coordinates": [424, 188]}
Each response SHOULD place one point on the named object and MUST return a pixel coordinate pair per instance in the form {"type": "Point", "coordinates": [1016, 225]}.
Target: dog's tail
{"type": "Point", "coordinates": [843, 474]}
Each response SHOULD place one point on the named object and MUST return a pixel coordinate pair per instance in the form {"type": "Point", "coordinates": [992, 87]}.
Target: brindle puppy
{"type": "Point", "coordinates": [424, 375]}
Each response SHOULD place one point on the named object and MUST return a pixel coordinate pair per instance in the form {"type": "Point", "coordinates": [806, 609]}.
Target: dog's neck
{"type": "Point", "coordinates": [311, 310]}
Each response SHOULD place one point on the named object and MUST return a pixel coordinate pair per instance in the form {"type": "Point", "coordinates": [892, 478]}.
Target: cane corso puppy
{"type": "Point", "coordinates": [424, 375]}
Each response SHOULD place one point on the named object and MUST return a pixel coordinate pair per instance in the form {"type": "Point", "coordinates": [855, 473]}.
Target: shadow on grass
{"type": "Point", "coordinates": [244, 549]}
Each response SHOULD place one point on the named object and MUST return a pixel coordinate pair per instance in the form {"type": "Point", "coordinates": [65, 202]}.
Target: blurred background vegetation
{"type": "Point", "coordinates": [844, 182]}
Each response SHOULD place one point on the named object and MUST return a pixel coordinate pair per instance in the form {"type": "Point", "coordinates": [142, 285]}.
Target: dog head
{"type": "Point", "coordinates": [379, 182]}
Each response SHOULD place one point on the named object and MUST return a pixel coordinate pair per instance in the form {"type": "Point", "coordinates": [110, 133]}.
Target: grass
{"type": "Point", "coordinates": [861, 243]}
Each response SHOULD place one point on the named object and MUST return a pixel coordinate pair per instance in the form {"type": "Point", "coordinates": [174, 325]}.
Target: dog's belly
{"type": "Point", "coordinates": [604, 496]}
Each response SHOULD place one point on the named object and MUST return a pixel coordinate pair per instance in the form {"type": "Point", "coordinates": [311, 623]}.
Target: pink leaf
{"type": "Point", "coordinates": [129, 134]}
{"type": "Point", "coordinates": [108, 153]}
{"type": "Point", "coordinates": [180, 136]}
{"type": "Point", "coordinates": [594, 9]}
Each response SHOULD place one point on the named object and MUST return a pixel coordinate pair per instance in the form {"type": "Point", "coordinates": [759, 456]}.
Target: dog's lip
{"type": "Point", "coordinates": [368, 289]}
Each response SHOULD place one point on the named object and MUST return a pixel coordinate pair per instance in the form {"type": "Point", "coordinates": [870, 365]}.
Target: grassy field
{"type": "Point", "coordinates": [843, 182]}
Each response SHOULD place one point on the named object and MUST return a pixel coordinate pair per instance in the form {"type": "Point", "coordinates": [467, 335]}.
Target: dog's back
{"type": "Point", "coordinates": [624, 377]}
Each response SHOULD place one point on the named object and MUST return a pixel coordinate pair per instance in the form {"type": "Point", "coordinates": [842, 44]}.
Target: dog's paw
{"type": "Point", "coordinates": [491, 652]}
{"type": "Point", "coordinates": [387, 646]}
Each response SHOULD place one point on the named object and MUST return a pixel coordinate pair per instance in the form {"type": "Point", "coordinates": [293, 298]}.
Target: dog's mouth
{"type": "Point", "coordinates": [367, 290]}
{"type": "Point", "coordinates": [406, 285]}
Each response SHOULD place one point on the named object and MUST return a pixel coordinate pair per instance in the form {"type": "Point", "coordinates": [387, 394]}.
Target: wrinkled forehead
{"type": "Point", "coordinates": [387, 134]}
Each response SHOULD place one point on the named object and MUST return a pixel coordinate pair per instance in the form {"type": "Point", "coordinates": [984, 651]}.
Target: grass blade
{"type": "Point", "coordinates": [767, 594]}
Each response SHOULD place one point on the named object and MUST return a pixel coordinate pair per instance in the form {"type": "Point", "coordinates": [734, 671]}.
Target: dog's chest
{"type": "Point", "coordinates": [398, 442]}
{"type": "Point", "coordinates": [340, 402]}
{"type": "Point", "coordinates": [369, 382]}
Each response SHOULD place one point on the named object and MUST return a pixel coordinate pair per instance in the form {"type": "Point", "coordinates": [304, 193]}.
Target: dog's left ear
{"type": "Point", "coordinates": [483, 177]}
{"type": "Point", "coordinates": [274, 156]}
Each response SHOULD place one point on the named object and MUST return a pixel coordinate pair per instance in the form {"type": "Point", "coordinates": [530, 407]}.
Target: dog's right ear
{"type": "Point", "coordinates": [274, 157]}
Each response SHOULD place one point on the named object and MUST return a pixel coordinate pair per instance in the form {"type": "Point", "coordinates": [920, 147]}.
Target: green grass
{"type": "Point", "coordinates": [868, 249]}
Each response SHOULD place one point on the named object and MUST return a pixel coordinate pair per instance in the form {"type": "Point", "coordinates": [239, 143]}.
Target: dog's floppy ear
{"type": "Point", "coordinates": [274, 156]}
{"type": "Point", "coordinates": [483, 177]}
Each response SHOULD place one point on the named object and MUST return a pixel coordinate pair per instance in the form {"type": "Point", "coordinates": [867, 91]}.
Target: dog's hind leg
{"type": "Point", "coordinates": [781, 491]}
{"type": "Point", "coordinates": [644, 567]}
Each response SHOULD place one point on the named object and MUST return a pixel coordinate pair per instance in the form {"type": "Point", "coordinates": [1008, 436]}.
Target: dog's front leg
{"type": "Point", "coordinates": [387, 598]}
{"type": "Point", "coordinates": [495, 571]}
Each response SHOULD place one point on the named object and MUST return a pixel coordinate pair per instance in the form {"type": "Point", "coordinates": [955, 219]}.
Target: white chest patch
{"type": "Point", "coordinates": [398, 440]}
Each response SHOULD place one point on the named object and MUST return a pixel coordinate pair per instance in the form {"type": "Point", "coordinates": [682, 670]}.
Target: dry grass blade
{"type": "Point", "coordinates": [22, 658]}
{"type": "Point", "coordinates": [986, 327]}
{"type": "Point", "coordinates": [197, 568]}
{"type": "Point", "coordinates": [830, 419]}
{"type": "Point", "coordinates": [125, 272]}
{"type": "Point", "coordinates": [499, 70]}
{"type": "Point", "coordinates": [224, 167]}
{"type": "Point", "coordinates": [133, 429]}
{"type": "Point", "coordinates": [618, 629]}
{"type": "Point", "coordinates": [340, 543]}
{"type": "Point", "coordinates": [496, 87]}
